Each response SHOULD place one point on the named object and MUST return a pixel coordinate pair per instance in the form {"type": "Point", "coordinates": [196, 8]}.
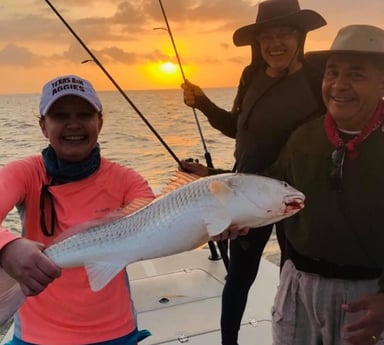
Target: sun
{"type": "Point", "coordinates": [168, 68]}
{"type": "Point", "coordinates": [165, 74]}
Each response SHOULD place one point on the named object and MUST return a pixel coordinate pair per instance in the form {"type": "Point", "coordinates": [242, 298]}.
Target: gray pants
{"type": "Point", "coordinates": [307, 308]}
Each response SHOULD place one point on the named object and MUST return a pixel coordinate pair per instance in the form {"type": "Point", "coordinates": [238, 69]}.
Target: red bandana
{"type": "Point", "coordinates": [334, 137]}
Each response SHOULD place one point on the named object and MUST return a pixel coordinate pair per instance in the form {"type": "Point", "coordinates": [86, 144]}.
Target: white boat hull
{"type": "Point", "coordinates": [178, 298]}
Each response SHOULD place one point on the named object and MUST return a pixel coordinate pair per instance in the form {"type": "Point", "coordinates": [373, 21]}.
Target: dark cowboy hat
{"type": "Point", "coordinates": [354, 39]}
{"type": "Point", "coordinates": [278, 12]}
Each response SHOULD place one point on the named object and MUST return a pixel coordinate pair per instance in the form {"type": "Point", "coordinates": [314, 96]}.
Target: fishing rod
{"type": "Point", "coordinates": [98, 63]}
{"type": "Point", "coordinates": [222, 245]}
{"type": "Point", "coordinates": [207, 155]}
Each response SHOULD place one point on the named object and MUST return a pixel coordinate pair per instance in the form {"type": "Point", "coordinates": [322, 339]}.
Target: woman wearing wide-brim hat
{"type": "Point", "coordinates": [277, 12]}
{"type": "Point", "coordinates": [277, 92]}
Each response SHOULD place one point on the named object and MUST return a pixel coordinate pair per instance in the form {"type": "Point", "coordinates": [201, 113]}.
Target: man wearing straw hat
{"type": "Point", "coordinates": [332, 287]}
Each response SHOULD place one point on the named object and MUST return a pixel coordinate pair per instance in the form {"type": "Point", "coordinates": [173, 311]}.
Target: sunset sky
{"type": "Point", "coordinates": [36, 46]}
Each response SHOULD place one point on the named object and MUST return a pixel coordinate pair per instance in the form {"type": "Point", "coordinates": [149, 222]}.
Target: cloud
{"type": "Point", "coordinates": [77, 54]}
{"type": "Point", "coordinates": [119, 32]}
{"type": "Point", "coordinates": [126, 20]}
{"type": "Point", "coordinates": [116, 54]}
{"type": "Point", "coordinates": [130, 14]}
{"type": "Point", "coordinates": [13, 55]}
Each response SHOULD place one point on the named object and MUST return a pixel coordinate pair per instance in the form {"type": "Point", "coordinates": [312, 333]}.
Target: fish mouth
{"type": "Point", "coordinates": [294, 203]}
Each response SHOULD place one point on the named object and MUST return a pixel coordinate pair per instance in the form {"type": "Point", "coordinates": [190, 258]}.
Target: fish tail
{"type": "Point", "coordinates": [11, 297]}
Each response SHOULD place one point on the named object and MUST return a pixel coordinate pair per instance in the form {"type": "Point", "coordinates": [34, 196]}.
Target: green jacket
{"type": "Point", "coordinates": [347, 227]}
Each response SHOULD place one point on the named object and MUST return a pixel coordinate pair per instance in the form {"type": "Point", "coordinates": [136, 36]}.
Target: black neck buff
{"type": "Point", "coordinates": [63, 172]}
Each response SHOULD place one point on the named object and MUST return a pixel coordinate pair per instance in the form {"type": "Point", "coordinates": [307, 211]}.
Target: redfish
{"type": "Point", "coordinates": [184, 217]}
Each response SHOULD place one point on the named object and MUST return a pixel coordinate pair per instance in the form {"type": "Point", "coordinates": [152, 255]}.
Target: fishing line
{"type": "Point", "coordinates": [94, 58]}
{"type": "Point", "coordinates": [207, 155]}
{"type": "Point", "coordinates": [222, 245]}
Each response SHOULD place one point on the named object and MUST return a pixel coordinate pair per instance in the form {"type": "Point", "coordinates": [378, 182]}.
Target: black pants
{"type": "Point", "coordinates": [244, 260]}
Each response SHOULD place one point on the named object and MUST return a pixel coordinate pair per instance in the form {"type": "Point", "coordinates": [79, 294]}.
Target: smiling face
{"type": "Point", "coordinates": [279, 47]}
{"type": "Point", "coordinates": [353, 85]}
{"type": "Point", "coordinates": [72, 126]}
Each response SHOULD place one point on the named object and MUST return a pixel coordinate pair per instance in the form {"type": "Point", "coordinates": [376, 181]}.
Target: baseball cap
{"type": "Point", "coordinates": [68, 85]}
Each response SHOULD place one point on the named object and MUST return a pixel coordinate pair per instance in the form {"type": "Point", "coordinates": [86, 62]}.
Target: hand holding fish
{"type": "Point", "coordinates": [367, 329]}
{"type": "Point", "coordinates": [191, 94]}
{"type": "Point", "coordinates": [33, 270]}
{"type": "Point", "coordinates": [194, 167]}
{"type": "Point", "coordinates": [231, 233]}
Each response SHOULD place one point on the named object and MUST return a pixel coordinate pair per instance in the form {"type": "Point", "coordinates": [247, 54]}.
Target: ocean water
{"type": "Point", "coordinates": [125, 138]}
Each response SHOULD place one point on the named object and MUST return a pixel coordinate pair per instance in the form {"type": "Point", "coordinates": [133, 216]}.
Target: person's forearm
{"type": "Point", "coordinates": [6, 237]}
{"type": "Point", "coordinates": [221, 119]}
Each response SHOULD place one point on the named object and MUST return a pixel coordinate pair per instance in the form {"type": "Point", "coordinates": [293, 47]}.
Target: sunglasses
{"type": "Point", "coordinates": [336, 175]}
{"type": "Point", "coordinates": [47, 211]}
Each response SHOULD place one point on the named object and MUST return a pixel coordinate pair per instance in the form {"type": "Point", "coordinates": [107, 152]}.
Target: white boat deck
{"type": "Point", "coordinates": [178, 298]}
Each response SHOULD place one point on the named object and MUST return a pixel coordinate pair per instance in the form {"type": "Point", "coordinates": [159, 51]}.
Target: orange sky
{"type": "Point", "coordinates": [35, 46]}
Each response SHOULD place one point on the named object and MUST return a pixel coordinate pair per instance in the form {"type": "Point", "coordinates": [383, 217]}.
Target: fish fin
{"type": "Point", "coordinates": [216, 221]}
{"type": "Point", "coordinates": [119, 213]}
{"type": "Point", "coordinates": [179, 179]}
{"type": "Point", "coordinates": [131, 207]}
{"type": "Point", "coordinates": [11, 296]}
{"type": "Point", "coordinates": [221, 191]}
{"type": "Point", "coordinates": [101, 273]}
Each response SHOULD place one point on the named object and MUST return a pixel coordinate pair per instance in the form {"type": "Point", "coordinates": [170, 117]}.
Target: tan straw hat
{"type": "Point", "coordinates": [356, 39]}
{"type": "Point", "coordinates": [278, 12]}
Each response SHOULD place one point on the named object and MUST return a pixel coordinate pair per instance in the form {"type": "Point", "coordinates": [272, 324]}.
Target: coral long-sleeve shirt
{"type": "Point", "coordinates": [68, 312]}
